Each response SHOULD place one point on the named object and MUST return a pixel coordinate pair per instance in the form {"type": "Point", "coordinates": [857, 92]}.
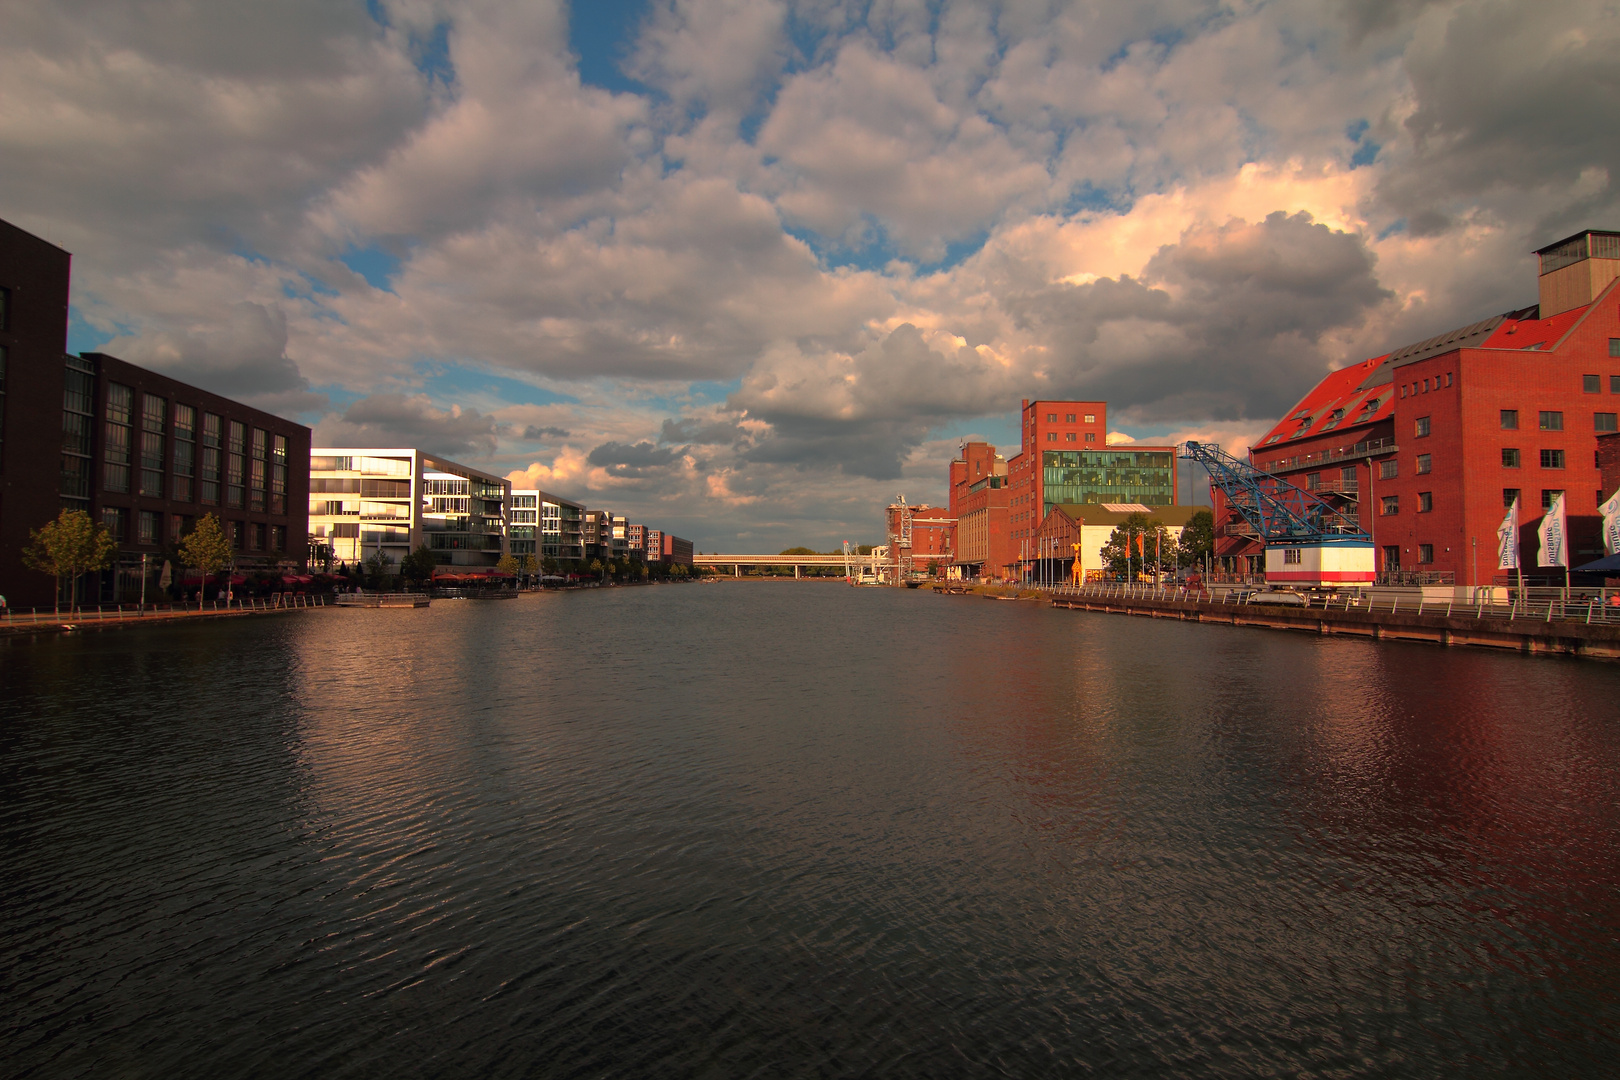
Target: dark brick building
{"type": "Point", "coordinates": [144, 454]}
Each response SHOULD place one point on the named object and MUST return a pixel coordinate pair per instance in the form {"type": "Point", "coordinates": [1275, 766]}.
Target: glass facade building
{"type": "Point", "coordinates": [1117, 474]}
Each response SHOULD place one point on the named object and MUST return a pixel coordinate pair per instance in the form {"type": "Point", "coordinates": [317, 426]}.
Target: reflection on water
{"type": "Point", "coordinates": [800, 830]}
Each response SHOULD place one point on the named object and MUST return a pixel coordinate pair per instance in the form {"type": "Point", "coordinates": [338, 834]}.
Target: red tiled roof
{"type": "Point", "coordinates": [1338, 403]}
{"type": "Point", "coordinates": [1525, 333]}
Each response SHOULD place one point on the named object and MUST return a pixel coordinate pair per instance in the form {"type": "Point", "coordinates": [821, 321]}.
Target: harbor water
{"type": "Point", "coordinates": [800, 830]}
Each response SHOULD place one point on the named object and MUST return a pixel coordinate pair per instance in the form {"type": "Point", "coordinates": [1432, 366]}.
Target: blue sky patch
{"type": "Point", "coordinates": [82, 337]}
{"type": "Point", "coordinates": [602, 33]}
{"type": "Point", "coordinates": [1365, 154]}
{"type": "Point", "coordinates": [459, 383]}
{"type": "Point", "coordinates": [374, 264]}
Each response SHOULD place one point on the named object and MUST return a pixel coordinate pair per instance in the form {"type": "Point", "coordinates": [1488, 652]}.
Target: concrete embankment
{"type": "Point", "coordinates": [16, 625]}
{"type": "Point", "coordinates": [1562, 637]}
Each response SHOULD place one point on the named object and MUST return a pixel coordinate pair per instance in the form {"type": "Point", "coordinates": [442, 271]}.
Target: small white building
{"type": "Point", "coordinates": [366, 500]}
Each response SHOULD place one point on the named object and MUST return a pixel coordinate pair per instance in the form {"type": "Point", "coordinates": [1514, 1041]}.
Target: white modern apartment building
{"type": "Point", "coordinates": [362, 501]}
{"type": "Point", "coordinates": [555, 525]}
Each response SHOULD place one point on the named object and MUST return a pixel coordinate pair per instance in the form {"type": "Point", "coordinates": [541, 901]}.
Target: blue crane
{"type": "Point", "coordinates": [1281, 513]}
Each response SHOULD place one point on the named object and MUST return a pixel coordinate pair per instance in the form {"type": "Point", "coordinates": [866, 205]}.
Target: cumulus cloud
{"type": "Point", "coordinates": [830, 239]}
{"type": "Point", "coordinates": [387, 420]}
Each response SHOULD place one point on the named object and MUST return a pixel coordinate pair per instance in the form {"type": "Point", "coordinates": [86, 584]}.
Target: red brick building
{"type": "Point", "coordinates": [1428, 444]}
{"type": "Point", "coordinates": [978, 502]}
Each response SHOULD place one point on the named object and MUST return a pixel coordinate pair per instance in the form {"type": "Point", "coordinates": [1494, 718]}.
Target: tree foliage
{"type": "Point", "coordinates": [206, 549]}
{"type": "Point", "coordinates": [1143, 534]}
{"type": "Point", "coordinates": [418, 566]}
{"type": "Point", "coordinates": [71, 545]}
{"type": "Point", "coordinates": [1198, 538]}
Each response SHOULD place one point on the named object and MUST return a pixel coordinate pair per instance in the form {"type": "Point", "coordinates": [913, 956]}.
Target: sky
{"type": "Point", "coordinates": [747, 270]}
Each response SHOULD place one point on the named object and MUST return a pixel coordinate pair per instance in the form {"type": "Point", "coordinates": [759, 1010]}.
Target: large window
{"type": "Point", "coordinates": [1548, 495]}
{"type": "Point", "coordinates": [1591, 384]}
{"type": "Point", "coordinates": [235, 465]}
{"type": "Point", "coordinates": [1510, 419]}
{"type": "Point", "coordinates": [258, 466]}
{"type": "Point", "coordinates": [185, 451]}
{"type": "Point", "coordinates": [116, 519]}
{"type": "Point", "coordinates": [1421, 427]}
{"type": "Point", "coordinates": [1510, 457]}
{"type": "Point", "coordinates": [1552, 459]}
{"type": "Point", "coordinates": [78, 399]}
{"type": "Point", "coordinates": [1552, 421]}
{"type": "Point", "coordinates": [1391, 505]}
{"type": "Point", "coordinates": [278, 475]}
{"type": "Point", "coordinates": [1605, 421]}
{"type": "Point", "coordinates": [1509, 496]}
{"type": "Point", "coordinates": [1424, 464]}
{"type": "Point", "coordinates": [150, 532]}
{"type": "Point", "coordinates": [212, 438]}
{"type": "Point", "coordinates": [116, 437]}
{"type": "Point", "coordinates": [154, 414]}
{"type": "Point", "coordinates": [1388, 470]}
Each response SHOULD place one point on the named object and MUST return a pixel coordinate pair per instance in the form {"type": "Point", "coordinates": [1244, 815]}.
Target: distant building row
{"type": "Point", "coordinates": [147, 456]}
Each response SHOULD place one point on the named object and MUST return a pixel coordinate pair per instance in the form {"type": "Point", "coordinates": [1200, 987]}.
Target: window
{"type": "Point", "coordinates": [1510, 419]}
{"type": "Point", "coordinates": [1509, 497]}
{"type": "Point", "coordinates": [210, 458]}
{"type": "Point", "coordinates": [2, 395]}
{"type": "Point", "coordinates": [1091, 436]}
{"type": "Point", "coordinates": [1070, 436]}
{"type": "Point", "coordinates": [116, 518]}
{"type": "Point", "coordinates": [235, 465]}
{"type": "Point", "coordinates": [78, 403]}
{"type": "Point", "coordinates": [1051, 418]}
{"type": "Point", "coordinates": [1510, 457]}
{"type": "Point", "coordinates": [278, 476]}
{"type": "Point", "coordinates": [257, 469]}
{"type": "Point", "coordinates": [1425, 502]}
{"type": "Point", "coordinates": [1552, 459]}
{"type": "Point", "coordinates": [5, 310]}
{"type": "Point", "coordinates": [1069, 419]}
{"type": "Point", "coordinates": [1051, 436]}
{"type": "Point", "coordinates": [179, 525]}
{"type": "Point", "coordinates": [154, 415]}
{"type": "Point", "coordinates": [256, 532]}
{"type": "Point", "coordinates": [185, 451]}
{"type": "Point", "coordinates": [236, 532]}
{"type": "Point", "coordinates": [1423, 464]}
{"type": "Point", "coordinates": [1604, 421]}
{"type": "Point", "coordinates": [116, 451]}
{"type": "Point", "coordinates": [1388, 470]}
{"type": "Point", "coordinates": [1614, 349]}
{"type": "Point", "coordinates": [1392, 557]}
{"type": "Point", "coordinates": [1448, 378]}
{"type": "Point", "coordinates": [1091, 418]}
{"type": "Point", "coordinates": [278, 538]}
{"type": "Point", "coordinates": [1421, 426]}
{"type": "Point", "coordinates": [1425, 553]}
{"type": "Point", "coordinates": [1552, 421]}
{"type": "Point", "coordinates": [1548, 495]}
{"type": "Point", "coordinates": [1291, 556]}
{"type": "Point", "coordinates": [1392, 505]}
{"type": "Point", "coordinates": [151, 528]}
{"type": "Point", "coordinates": [1591, 384]}
{"type": "Point", "coordinates": [1313, 481]}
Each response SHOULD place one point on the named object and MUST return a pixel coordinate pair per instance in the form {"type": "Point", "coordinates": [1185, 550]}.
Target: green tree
{"type": "Point", "coordinates": [206, 550]}
{"type": "Point", "coordinates": [379, 569]}
{"type": "Point", "coordinates": [418, 566]}
{"type": "Point", "coordinates": [595, 567]}
{"type": "Point", "coordinates": [1198, 538]}
{"type": "Point", "coordinates": [72, 545]}
{"type": "Point", "coordinates": [1151, 532]}
{"type": "Point", "coordinates": [801, 551]}
{"type": "Point", "coordinates": [508, 564]}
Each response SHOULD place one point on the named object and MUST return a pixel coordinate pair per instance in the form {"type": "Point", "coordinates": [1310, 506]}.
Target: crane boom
{"type": "Point", "coordinates": [1280, 512]}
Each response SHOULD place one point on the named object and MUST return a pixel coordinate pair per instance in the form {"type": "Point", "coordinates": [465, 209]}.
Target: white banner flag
{"type": "Point", "coordinates": [1554, 550]}
{"type": "Point", "coordinates": [1611, 523]}
{"type": "Point", "coordinates": [1507, 539]}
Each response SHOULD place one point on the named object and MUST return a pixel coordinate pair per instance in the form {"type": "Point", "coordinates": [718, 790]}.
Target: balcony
{"type": "Point", "coordinates": [1335, 485]}
{"type": "Point", "coordinates": [1370, 448]}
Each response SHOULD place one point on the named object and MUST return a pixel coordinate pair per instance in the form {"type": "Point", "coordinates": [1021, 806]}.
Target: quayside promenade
{"type": "Point", "coordinates": [1540, 621]}
{"type": "Point", "coordinates": [109, 615]}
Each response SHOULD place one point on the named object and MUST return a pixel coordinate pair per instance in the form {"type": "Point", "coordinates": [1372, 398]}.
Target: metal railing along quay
{"type": "Point", "coordinates": [111, 613]}
{"type": "Point", "coordinates": [1589, 606]}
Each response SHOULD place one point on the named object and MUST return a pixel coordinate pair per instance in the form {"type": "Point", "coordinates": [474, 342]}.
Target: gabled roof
{"type": "Point", "coordinates": [1345, 399]}
{"type": "Point", "coordinates": [1526, 330]}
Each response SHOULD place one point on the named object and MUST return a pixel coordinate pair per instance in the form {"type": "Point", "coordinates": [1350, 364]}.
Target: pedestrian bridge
{"type": "Point", "coordinates": [735, 563]}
